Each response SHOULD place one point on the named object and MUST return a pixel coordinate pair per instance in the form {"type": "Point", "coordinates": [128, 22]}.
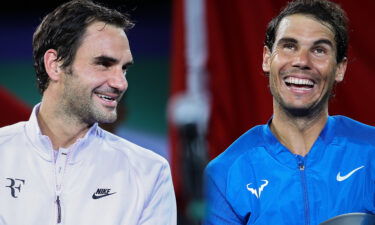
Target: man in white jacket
{"type": "Point", "coordinates": [60, 167]}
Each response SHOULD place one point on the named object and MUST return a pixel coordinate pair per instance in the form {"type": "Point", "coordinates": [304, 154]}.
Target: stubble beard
{"type": "Point", "coordinates": [309, 111]}
{"type": "Point", "coordinates": [78, 104]}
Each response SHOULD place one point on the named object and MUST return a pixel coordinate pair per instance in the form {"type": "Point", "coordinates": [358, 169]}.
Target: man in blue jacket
{"type": "Point", "coordinates": [303, 166]}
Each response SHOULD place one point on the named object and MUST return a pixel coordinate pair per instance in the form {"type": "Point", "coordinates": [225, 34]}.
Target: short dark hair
{"type": "Point", "coordinates": [322, 10]}
{"type": "Point", "coordinates": [63, 29]}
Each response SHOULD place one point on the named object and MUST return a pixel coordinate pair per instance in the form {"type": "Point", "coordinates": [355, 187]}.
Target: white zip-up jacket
{"type": "Point", "coordinates": [102, 179]}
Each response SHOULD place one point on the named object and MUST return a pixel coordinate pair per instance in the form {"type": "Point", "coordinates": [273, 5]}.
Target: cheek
{"type": "Point", "coordinates": [278, 63]}
{"type": "Point", "coordinates": [91, 80]}
{"type": "Point", "coordinates": [81, 87]}
{"type": "Point", "coordinates": [273, 81]}
{"type": "Point", "coordinates": [276, 68]}
{"type": "Point", "coordinates": [325, 66]}
{"type": "Point", "coordinates": [328, 79]}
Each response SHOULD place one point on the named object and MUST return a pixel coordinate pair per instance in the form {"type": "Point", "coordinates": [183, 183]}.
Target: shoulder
{"type": "Point", "coordinates": [136, 155]}
{"type": "Point", "coordinates": [248, 142]}
{"type": "Point", "coordinates": [8, 132]}
{"type": "Point", "coordinates": [354, 130]}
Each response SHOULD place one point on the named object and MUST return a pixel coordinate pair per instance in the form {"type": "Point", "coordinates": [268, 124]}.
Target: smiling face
{"type": "Point", "coordinates": [302, 65]}
{"type": "Point", "coordinates": [95, 83]}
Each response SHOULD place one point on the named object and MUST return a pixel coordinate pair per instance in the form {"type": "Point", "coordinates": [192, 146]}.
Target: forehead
{"type": "Point", "coordinates": [104, 39]}
{"type": "Point", "coordinates": [99, 28]}
{"type": "Point", "coordinates": [304, 27]}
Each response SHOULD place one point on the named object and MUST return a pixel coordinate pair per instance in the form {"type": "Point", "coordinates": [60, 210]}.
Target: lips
{"type": "Point", "coordinates": [299, 83]}
{"type": "Point", "coordinates": [106, 97]}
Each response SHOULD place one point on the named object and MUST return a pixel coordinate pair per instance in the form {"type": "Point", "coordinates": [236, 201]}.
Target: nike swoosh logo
{"type": "Point", "coordinates": [95, 196]}
{"type": "Point", "coordinates": [342, 178]}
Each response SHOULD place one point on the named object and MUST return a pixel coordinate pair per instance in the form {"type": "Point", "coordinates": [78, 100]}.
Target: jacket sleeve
{"type": "Point", "coordinates": [2, 222]}
{"type": "Point", "coordinates": [161, 208]}
{"type": "Point", "coordinates": [218, 210]}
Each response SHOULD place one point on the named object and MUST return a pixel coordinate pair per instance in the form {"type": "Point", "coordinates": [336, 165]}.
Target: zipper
{"type": "Point", "coordinates": [301, 167]}
{"type": "Point", "coordinates": [60, 166]}
{"type": "Point", "coordinates": [58, 209]}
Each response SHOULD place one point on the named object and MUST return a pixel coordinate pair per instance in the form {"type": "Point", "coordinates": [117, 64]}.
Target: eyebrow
{"type": "Point", "coordinates": [318, 42]}
{"type": "Point", "coordinates": [287, 40]}
{"type": "Point", "coordinates": [324, 41]}
{"type": "Point", "coordinates": [107, 59]}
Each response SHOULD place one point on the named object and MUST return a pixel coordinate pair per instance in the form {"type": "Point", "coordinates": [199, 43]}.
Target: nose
{"type": "Point", "coordinates": [118, 80]}
{"type": "Point", "coordinates": [301, 60]}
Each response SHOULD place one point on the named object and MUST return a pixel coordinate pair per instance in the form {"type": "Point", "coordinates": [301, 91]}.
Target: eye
{"type": "Point", "coordinates": [320, 51]}
{"type": "Point", "coordinates": [124, 70]}
{"type": "Point", "coordinates": [105, 64]}
{"type": "Point", "coordinates": [289, 46]}
{"type": "Point", "coordinates": [125, 67]}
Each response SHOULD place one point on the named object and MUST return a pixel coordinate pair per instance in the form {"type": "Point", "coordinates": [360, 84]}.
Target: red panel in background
{"type": "Point", "coordinates": [178, 71]}
{"type": "Point", "coordinates": [240, 97]}
{"type": "Point", "coordinates": [12, 109]}
{"type": "Point", "coordinates": [355, 96]}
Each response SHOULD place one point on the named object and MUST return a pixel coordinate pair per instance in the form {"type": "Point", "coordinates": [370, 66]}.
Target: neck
{"type": "Point", "coordinates": [298, 134]}
{"type": "Point", "coordinates": [63, 131]}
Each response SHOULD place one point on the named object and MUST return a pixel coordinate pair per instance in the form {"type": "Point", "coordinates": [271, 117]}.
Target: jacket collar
{"type": "Point", "coordinates": [43, 145]}
{"type": "Point", "coordinates": [286, 157]}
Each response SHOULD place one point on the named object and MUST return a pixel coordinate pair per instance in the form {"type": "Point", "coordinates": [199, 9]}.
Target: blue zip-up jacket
{"type": "Point", "coordinates": [259, 181]}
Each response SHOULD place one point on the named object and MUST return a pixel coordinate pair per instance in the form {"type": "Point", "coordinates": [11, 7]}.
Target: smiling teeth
{"type": "Point", "coordinates": [105, 97]}
{"type": "Point", "coordinates": [299, 81]}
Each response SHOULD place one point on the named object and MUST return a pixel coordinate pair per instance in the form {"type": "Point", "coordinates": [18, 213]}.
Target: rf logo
{"type": "Point", "coordinates": [15, 186]}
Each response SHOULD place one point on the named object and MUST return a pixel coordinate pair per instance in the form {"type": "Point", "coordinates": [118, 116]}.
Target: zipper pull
{"type": "Point", "coordinates": [301, 162]}
{"type": "Point", "coordinates": [58, 209]}
{"type": "Point", "coordinates": [301, 167]}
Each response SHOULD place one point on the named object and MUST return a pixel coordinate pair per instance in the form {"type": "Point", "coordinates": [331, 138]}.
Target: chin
{"type": "Point", "coordinates": [304, 112]}
{"type": "Point", "coordinates": [298, 112]}
{"type": "Point", "coordinates": [105, 117]}
{"type": "Point", "coordinates": [109, 119]}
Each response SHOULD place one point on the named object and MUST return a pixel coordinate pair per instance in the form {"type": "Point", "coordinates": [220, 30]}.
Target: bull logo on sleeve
{"type": "Point", "coordinates": [256, 192]}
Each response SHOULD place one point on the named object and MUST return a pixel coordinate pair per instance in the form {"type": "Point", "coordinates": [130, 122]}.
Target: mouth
{"type": "Point", "coordinates": [106, 97]}
{"type": "Point", "coordinates": [302, 84]}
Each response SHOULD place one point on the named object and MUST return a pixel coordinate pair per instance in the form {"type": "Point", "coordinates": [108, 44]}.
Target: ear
{"type": "Point", "coordinates": [340, 71]}
{"type": "Point", "coordinates": [266, 60]}
{"type": "Point", "coordinates": [51, 64]}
